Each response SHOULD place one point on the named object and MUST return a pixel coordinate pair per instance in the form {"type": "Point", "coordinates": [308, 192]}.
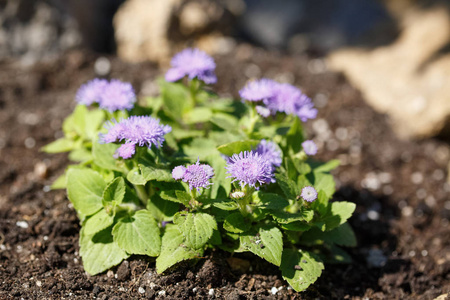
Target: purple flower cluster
{"type": "Point", "coordinates": [279, 97]}
{"type": "Point", "coordinates": [135, 131]}
{"type": "Point", "coordinates": [249, 168]}
{"type": "Point", "coordinates": [112, 96]}
{"type": "Point", "coordinates": [270, 152]}
{"type": "Point", "coordinates": [192, 63]}
{"type": "Point", "coordinates": [197, 175]}
{"type": "Point", "coordinates": [309, 147]}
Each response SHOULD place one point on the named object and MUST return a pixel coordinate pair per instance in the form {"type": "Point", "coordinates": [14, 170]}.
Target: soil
{"type": "Point", "coordinates": [401, 221]}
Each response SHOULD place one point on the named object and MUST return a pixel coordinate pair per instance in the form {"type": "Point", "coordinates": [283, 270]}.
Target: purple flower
{"type": "Point", "coordinates": [309, 193]}
{"type": "Point", "coordinates": [197, 175]}
{"type": "Point", "coordinates": [249, 168]}
{"type": "Point", "coordinates": [117, 95]}
{"type": "Point", "coordinates": [259, 90]}
{"type": "Point", "coordinates": [91, 91]}
{"type": "Point", "coordinates": [262, 111]}
{"type": "Point", "coordinates": [126, 151]}
{"type": "Point", "coordinates": [193, 63]}
{"type": "Point", "coordinates": [309, 147]}
{"type": "Point", "coordinates": [270, 152]}
{"type": "Point", "coordinates": [135, 131]}
{"type": "Point", "coordinates": [178, 172]}
{"type": "Point", "coordinates": [290, 100]}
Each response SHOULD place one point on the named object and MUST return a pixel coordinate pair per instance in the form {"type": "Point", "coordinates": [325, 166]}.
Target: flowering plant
{"type": "Point", "coordinates": [171, 176]}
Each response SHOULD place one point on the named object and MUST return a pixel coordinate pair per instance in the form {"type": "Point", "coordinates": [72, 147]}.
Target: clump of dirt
{"type": "Point", "coordinates": [401, 221]}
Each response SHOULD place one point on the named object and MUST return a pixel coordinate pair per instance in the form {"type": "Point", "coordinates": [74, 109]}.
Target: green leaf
{"type": "Point", "coordinates": [197, 228]}
{"type": "Point", "coordinates": [80, 155]}
{"type": "Point", "coordinates": [338, 213]}
{"type": "Point", "coordinates": [342, 236]}
{"type": "Point", "coordinates": [104, 155]}
{"type": "Point", "coordinates": [236, 223]}
{"type": "Point", "coordinates": [324, 167]}
{"type": "Point", "coordinates": [226, 205]}
{"type": "Point", "coordinates": [321, 203]}
{"type": "Point", "coordinates": [284, 217]}
{"type": "Point", "coordinates": [176, 196]}
{"type": "Point", "coordinates": [85, 189]}
{"type": "Point", "coordinates": [301, 166]}
{"type": "Point", "coordinates": [266, 242]}
{"type": "Point", "coordinates": [270, 201]}
{"type": "Point", "coordinates": [135, 177]}
{"type": "Point", "coordinates": [322, 182]}
{"type": "Point", "coordinates": [114, 192]}
{"type": "Point", "coordinates": [295, 226]}
{"type": "Point", "coordinates": [224, 121]}
{"type": "Point", "coordinates": [289, 187]}
{"type": "Point", "coordinates": [60, 182]}
{"type": "Point", "coordinates": [220, 181]}
{"type": "Point", "coordinates": [100, 252]}
{"type": "Point", "coordinates": [198, 115]}
{"type": "Point", "coordinates": [97, 222]}
{"type": "Point", "coordinates": [93, 120]}
{"type": "Point", "coordinates": [294, 136]}
{"type": "Point", "coordinates": [138, 234]}
{"type": "Point", "coordinates": [60, 145]}
{"type": "Point", "coordinates": [162, 210]}
{"type": "Point", "coordinates": [176, 99]}
{"type": "Point", "coordinates": [200, 147]}
{"type": "Point", "coordinates": [300, 268]}
{"type": "Point", "coordinates": [237, 147]}
{"type": "Point", "coordinates": [173, 251]}
{"type": "Point", "coordinates": [75, 124]}
{"type": "Point", "coordinates": [153, 173]}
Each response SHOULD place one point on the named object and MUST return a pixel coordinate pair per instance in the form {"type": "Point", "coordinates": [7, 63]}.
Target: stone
{"type": "Point", "coordinates": [155, 30]}
{"type": "Point", "coordinates": [409, 80]}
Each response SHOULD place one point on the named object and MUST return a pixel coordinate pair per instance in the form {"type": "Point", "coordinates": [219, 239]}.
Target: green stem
{"type": "Point", "coordinates": [141, 193]}
{"type": "Point", "coordinates": [253, 118]}
{"type": "Point", "coordinates": [244, 206]}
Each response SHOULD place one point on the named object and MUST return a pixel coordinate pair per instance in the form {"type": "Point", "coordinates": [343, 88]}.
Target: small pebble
{"type": "Point", "coordinates": [141, 290]}
{"type": "Point", "coordinates": [22, 224]}
{"type": "Point", "coordinates": [407, 211]}
{"type": "Point", "coordinates": [162, 293]}
{"type": "Point", "coordinates": [424, 252]}
{"type": "Point", "coordinates": [373, 215]}
{"type": "Point", "coordinates": [30, 142]}
{"type": "Point", "coordinates": [274, 290]}
{"type": "Point", "coordinates": [110, 274]}
{"type": "Point", "coordinates": [417, 178]}
{"type": "Point", "coordinates": [194, 290]}
{"type": "Point", "coordinates": [211, 292]}
{"type": "Point", "coordinates": [39, 283]}
{"type": "Point", "coordinates": [102, 66]}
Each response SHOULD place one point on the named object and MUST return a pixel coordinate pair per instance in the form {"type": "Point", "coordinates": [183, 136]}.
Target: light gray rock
{"type": "Point", "coordinates": [410, 79]}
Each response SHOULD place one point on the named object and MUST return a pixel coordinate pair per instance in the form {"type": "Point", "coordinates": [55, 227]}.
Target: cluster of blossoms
{"type": "Point", "coordinates": [192, 63]}
{"type": "Point", "coordinates": [250, 168]}
{"type": "Point", "coordinates": [110, 95]}
{"type": "Point", "coordinates": [135, 130]}
{"type": "Point", "coordinates": [278, 97]}
{"type": "Point", "coordinates": [309, 193]}
{"type": "Point", "coordinates": [309, 147]}
{"type": "Point", "coordinates": [197, 175]}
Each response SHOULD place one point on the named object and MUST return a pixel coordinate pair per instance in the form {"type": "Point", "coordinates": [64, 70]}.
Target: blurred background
{"type": "Point", "coordinates": [394, 52]}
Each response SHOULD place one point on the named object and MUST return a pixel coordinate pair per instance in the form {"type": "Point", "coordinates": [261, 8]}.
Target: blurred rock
{"type": "Point", "coordinates": [408, 80]}
{"type": "Point", "coordinates": [34, 30]}
{"type": "Point", "coordinates": [154, 30]}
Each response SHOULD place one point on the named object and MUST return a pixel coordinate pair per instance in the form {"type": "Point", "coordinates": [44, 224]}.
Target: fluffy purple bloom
{"type": "Point", "coordinates": [270, 152]}
{"type": "Point", "coordinates": [178, 172]}
{"type": "Point", "coordinates": [126, 151]}
{"type": "Point", "coordinates": [309, 193]}
{"type": "Point", "coordinates": [262, 111]}
{"type": "Point", "coordinates": [91, 91]}
{"type": "Point", "coordinates": [117, 95]}
{"type": "Point", "coordinates": [309, 147]}
{"type": "Point", "coordinates": [197, 175]}
{"type": "Point", "coordinates": [259, 90]}
{"type": "Point", "coordinates": [249, 168]}
{"type": "Point", "coordinates": [135, 131]}
{"type": "Point", "coordinates": [193, 63]}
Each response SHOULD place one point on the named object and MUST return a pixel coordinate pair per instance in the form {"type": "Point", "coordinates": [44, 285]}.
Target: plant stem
{"type": "Point", "coordinates": [253, 118]}
{"type": "Point", "coordinates": [141, 193]}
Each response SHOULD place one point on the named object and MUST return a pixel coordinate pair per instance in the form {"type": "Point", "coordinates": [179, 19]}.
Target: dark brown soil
{"type": "Point", "coordinates": [401, 222]}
